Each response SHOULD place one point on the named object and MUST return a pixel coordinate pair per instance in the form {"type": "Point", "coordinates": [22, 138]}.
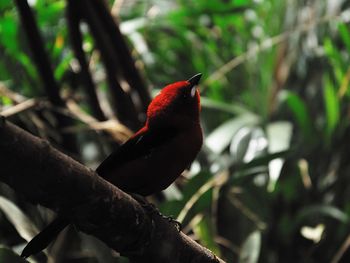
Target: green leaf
{"type": "Point", "coordinates": [28, 65]}
{"type": "Point", "coordinates": [5, 4]}
{"type": "Point", "coordinates": [174, 207]}
{"type": "Point", "coordinates": [49, 12]}
{"type": "Point", "coordinates": [345, 35]}
{"type": "Point", "coordinates": [206, 234]}
{"type": "Point", "coordinates": [8, 34]}
{"type": "Point", "coordinates": [62, 66]}
{"type": "Point", "coordinates": [263, 160]}
{"type": "Point", "coordinates": [300, 112]}
{"type": "Point", "coordinates": [323, 210]}
{"type": "Point", "coordinates": [221, 137]}
{"type": "Point", "coordinates": [7, 255]}
{"type": "Point", "coordinates": [247, 144]}
{"type": "Point", "coordinates": [251, 248]}
{"type": "Point", "coordinates": [336, 59]}
{"type": "Point", "coordinates": [279, 136]}
{"type": "Point", "coordinates": [331, 106]}
{"type": "Point", "coordinates": [222, 106]}
{"type": "Point", "coordinates": [24, 226]}
{"type": "Point", "coordinates": [5, 101]}
{"type": "Point", "coordinates": [197, 193]}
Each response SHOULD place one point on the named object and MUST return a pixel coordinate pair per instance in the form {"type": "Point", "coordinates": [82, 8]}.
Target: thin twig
{"type": "Point", "coordinates": [14, 96]}
{"type": "Point", "coordinates": [228, 244]}
{"type": "Point", "coordinates": [21, 104]}
{"type": "Point", "coordinates": [193, 222]}
{"type": "Point", "coordinates": [217, 179]}
{"type": "Point", "coordinates": [247, 212]}
{"type": "Point", "coordinates": [20, 107]}
{"type": "Point", "coordinates": [116, 7]}
{"type": "Point", "coordinates": [344, 247]}
{"type": "Point", "coordinates": [118, 131]}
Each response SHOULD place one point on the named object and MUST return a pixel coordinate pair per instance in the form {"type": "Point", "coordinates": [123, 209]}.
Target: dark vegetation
{"type": "Point", "coordinates": [272, 182]}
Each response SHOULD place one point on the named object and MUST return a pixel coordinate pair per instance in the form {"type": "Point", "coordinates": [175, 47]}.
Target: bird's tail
{"type": "Point", "coordinates": [45, 237]}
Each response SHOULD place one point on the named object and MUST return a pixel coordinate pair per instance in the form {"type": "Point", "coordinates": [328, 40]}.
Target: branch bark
{"type": "Point", "coordinates": [48, 177]}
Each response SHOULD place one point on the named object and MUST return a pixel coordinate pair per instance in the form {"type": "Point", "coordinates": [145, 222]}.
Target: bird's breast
{"type": "Point", "coordinates": [158, 169]}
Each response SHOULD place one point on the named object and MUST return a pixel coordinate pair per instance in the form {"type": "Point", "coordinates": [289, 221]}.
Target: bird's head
{"type": "Point", "coordinates": [177, 105]}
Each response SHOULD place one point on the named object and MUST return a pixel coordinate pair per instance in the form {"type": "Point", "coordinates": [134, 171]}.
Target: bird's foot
{"type": "Point", "coordinates": [149, 207]}
{"type": "Point", "coordinates": [153, 210]}
{"type": "Point", "coordinates": [173, 221]}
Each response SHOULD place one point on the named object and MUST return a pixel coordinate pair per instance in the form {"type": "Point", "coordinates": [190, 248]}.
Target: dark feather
{"type": "Point", "coordinates": [45, 237]}
{"type": "Point", "coordinates": [138, 146]}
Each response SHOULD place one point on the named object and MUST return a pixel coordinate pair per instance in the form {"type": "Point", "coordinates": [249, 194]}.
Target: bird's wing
{"type": "Point", "coordinates": [141, 144]}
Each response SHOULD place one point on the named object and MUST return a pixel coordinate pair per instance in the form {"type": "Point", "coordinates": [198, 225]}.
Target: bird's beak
{"type": "Point", "coordinates": [193, 83]}
{"type": "Point", "coordinates": [195, 79]}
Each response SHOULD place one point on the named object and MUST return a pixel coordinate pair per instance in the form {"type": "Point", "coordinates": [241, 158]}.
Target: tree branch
{"type": "Point", "coordinates": [73, 20]}
{"type": "Point", "coordinates": [44, 67]}
{"type": "Point", "coordinates": [46, 176]}
{"type": "Point", "coordinates": [124, 106]}
{"type": "Point", "coordinates": [39, 54]}
{"type": "Point", "coordinates": [126, 61]}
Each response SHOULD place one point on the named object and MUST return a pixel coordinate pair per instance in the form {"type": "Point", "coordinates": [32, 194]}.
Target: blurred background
{"type": "Point", "coordinates": [272, 181]}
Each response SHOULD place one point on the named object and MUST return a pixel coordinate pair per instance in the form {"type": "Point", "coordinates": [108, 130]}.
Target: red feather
{"type": "Point", "coordinates": [159, 152]}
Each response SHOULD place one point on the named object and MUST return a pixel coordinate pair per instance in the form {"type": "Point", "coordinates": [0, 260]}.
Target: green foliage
{"type": "Point", "coordinates": [18, 219]}
{"type": "Point", "coordinates": [300, 113]}
{"type": "Point", "coordinates": [7, 255]}
{"type": "Point", "coordinates": [251, 248]}
{"type": "Point", "coordinates": [332, 108]}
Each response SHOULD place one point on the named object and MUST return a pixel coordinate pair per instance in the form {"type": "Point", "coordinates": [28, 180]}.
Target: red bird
{"type": "Point", "coordinates": [154, 157]}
